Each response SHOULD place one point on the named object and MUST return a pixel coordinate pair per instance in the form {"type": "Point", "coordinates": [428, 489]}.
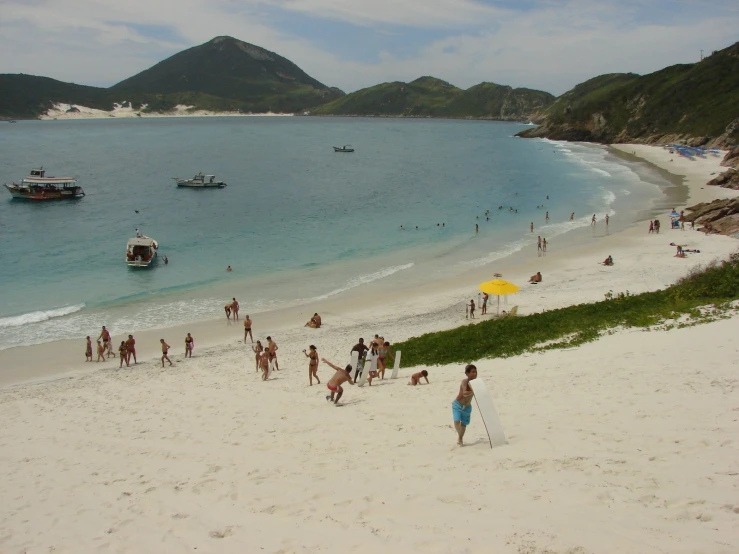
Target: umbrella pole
{"type": "Point", "coordinates": [498, 305]}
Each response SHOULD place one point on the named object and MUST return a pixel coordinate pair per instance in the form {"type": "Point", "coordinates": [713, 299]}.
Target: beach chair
{"type": "Point", "coordinates": [513, 312]}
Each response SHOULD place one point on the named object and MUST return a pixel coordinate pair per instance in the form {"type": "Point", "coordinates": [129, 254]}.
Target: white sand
{"type": "Point", "coordinates": [628, 444]}
{"type": "Point", "coordinates": [60, 111]}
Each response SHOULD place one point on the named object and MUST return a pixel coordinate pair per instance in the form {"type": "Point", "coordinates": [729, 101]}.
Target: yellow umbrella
{"type": "Point", "coordinates": [499, 287]}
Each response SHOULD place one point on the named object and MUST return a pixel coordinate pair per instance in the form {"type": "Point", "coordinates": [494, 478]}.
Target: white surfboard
{"type": "Point", "coordinates": [354, 361]}
{"type": "Point", "coordinates": [396, 366]}
{"type": "Point", "coordinates": [488, 413]}
{"type": "Point", "coordinates": [366, 371]}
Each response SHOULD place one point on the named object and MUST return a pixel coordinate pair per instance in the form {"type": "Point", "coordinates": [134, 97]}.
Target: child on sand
{"type": "Point", "coordinates": [165, 350]}
{"type": "Point", "coordinates": [342, 375]}
{"type": "Point", "coordinates": [88, 350]}
{"type": "Point", "coordinates": [462, 405]}
{"type": "Point", "coordinates": [416, 378]}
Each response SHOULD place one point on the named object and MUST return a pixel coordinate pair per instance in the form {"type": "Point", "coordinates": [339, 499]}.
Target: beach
{"type": "Point", "coordinates": [627, 444]}
{"type": "Point", "coordinates": [68, 111]}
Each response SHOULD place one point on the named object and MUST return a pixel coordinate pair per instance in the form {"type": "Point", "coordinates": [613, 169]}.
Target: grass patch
{"type": "Point", "coordinates": [716, 284]}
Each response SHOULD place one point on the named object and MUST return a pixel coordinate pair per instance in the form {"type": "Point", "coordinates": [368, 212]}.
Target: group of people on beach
{"type": "Point", "coordinates": [127, 349]}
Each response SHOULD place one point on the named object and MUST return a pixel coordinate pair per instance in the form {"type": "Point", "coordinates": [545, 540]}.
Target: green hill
{"type": "Point", "coordinates": [697, 103]}
{"type": "Point", "coordinates": [431, 97]}
{"type": "Point", "coordinates": [28, 96]}
{"type": "Point", "coordinates": [223, 74]}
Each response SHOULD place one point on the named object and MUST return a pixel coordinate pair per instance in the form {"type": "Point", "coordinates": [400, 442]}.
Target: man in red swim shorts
{"type": "Point", "coordinates": [342, 375]}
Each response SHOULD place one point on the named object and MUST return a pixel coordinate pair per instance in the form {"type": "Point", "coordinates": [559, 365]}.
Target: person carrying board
{"type": "Point", "coordinates": [462, 405]}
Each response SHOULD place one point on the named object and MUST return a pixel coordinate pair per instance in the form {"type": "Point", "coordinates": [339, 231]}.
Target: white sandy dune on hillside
{"type": "Point", "coordinates": [124, 110]}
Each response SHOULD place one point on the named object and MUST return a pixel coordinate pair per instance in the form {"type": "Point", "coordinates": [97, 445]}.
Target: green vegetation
{"type": "Point", "coordinates": [431, 97]}
{"type": "Point", "coordinates": [694, 100]}
{"type": "Point", "coordinates": [223, 74]}
{"type": "Point", "coordinates": [717, 284]}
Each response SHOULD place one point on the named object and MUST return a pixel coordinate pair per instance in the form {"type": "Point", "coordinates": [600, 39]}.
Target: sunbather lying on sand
{"type": "Point", "coordinates": [536, 278]}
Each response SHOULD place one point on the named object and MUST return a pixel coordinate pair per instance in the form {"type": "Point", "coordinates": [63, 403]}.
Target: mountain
{"type": "Point", "coordinates": [432, 97]}
{"type": "Point", "coordinates": [696, 103]}
{"type": "Point", "coordinates": [224, 74]}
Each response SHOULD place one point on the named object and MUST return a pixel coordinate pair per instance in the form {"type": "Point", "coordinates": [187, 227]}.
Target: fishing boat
{"type": "Point", "coordinates": [345, 148]}
{"type": "Point", "coordinates": [141, 251]}
{"type": "Point", "coordinates": [200, 181]}
{"type": "Point", "coordinates": [37, 186]}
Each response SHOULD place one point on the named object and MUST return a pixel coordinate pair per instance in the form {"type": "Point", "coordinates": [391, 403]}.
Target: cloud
{"type": "Point", "coordinates": [546, 44]}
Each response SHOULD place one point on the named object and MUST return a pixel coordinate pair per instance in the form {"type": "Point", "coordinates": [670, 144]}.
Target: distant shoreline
{"type": "Point", "coordinates": [62, 111]}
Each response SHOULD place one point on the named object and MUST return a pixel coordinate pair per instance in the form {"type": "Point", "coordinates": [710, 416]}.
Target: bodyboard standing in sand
{"type": "Point", "coordinates": [366, 370]}
{"type": "Point", "coordinates": [355, 360]}
{"type": "Point", "coordinates": [487, 412]}
{"type": "Point", "coordinates": [396, 366]}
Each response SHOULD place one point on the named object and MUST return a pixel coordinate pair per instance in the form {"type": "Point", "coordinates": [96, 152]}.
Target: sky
{"type": "Point", "coordinates": [549, 45]}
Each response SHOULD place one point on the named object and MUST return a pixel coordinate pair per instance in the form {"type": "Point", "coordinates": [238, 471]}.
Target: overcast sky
{"type": "Point", "coordinates": [544, 44]}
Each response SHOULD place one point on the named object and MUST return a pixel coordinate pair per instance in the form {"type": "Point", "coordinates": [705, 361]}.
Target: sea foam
{"type": "Point", "coordinates": [37, 317]}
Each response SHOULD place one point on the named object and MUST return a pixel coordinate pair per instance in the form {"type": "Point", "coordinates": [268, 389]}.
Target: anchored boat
{"type": "Point", "coordinates": [141, 251]}
{"type": "Point", "coordinates": [200, 181]}
{"type": "Point", "coordinates": [37, 186]}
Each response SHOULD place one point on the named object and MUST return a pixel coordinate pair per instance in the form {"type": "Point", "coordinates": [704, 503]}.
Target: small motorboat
{"type": "Point", "coordinates": [200, 181]}
{"type": "Point", "coordinates": [141, 251]}
{"type": "Point", "coordinates": [345, 148]}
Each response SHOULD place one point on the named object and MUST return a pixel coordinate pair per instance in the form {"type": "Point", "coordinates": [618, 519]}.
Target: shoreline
{"type": "Point", "coordinates": [31, 364]}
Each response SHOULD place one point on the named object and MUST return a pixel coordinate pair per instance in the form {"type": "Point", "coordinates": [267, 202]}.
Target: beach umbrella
{"type": "Point", "coordinates": [674, 214]}
{"type": "Point", "coordinates": [498, 287]}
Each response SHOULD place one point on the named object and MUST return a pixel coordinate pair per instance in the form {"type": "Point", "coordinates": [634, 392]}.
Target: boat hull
{"type": "Point", "coordinates": [39, 195]}
{"type": "Point", "coordinates": [218, 185]}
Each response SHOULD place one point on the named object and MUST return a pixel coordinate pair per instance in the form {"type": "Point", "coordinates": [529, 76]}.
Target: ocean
{"type": "Point", "coordinates": [297, 222]}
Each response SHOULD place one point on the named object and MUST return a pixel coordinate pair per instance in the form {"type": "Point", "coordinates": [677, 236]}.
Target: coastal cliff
{"type": "Point", "coordinates": [694, 104]}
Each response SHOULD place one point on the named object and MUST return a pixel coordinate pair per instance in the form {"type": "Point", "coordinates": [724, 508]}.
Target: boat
{"type": "Point", "coordinates": [345, 148]}
{"type": "Point", "coordinates": [200, 181]}
{"type": "Point", "coordinates": [141, 251]}
{"type": "Point", "coordinates": [37, 186]}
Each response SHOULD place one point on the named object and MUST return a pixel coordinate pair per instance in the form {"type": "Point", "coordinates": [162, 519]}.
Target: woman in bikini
{"type": "Point", "coordinates": [88, 350]}
{"type": "Point", "coordinates": [258, 349]}
{"type": "Point", "coordinates": [189, 344]}
{"type": "Point", "coordinates": [383, 352]}
{"type": "Point", "coordinates": [123, 351]}
{"type": "Point", "coordinates": [101, 352]}
{"type": "Point", "coordinates": [264, 364]}
{"type": "Point", "coordinates": [312, 365]}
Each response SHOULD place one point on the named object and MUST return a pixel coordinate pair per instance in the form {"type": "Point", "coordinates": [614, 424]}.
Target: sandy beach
{"type": "Point", "coordinates": [628, 444]}
{"type": "Point", "coordinates": [120, 111]}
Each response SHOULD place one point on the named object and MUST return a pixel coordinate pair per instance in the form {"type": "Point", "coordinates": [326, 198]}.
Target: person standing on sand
{"type": "Point", "coordinates": [88, 349]}
{"type": "Point", "coordinates": [272, 351]}
{"type": "Point", "coordinates": [383, 353]}
{"type": "Point", "coordinates": [247, 329]}
{"type": "Point", "coordinates": [361, 350]}
{"type": "Point", "coordinates": [264, 364]}
{"type": "Point", "coordinates": [131, 350]}
{"type": "Point", "coordinates": [258, 349]}
{"type": "Point", "coordinates": [607, 218]}
{"type": "Point", "coordinates": [462, 405]}
{"type": "Point", "coordinates": [651, 226]}
{"type": "Point", "coordinates": [123, 351]}
{"type": "Point", "coordinates": [165, 350]}
{"type": "Point", "coordinates": [471, 307]}
{"type": "Point", "coordinates": [227, 309]}
{"type": "Point", "coordinates": [544, 245]}
{"type": "Point", "coordinates": [334, 384]}
{"type": "Point", "coordinates": [235, 309]}
{"type": "Point", "coordinates": [312, 365]}
{"type": "Point", "coordinates": [101, 352]}
{"type": "Point", "coordinates": [592, 220]}
{"type": "Point", "coordinates": [484, 303]}
{"type": "Point", "coordinates": [531, 227]}
{"type": "Point", "coordinates": [107, 342]}
{"type": "Point", "coordinates": [189, 345]}
{"type": "Point", "coordinates": [538, 243]}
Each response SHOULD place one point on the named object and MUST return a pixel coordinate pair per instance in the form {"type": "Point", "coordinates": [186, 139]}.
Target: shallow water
{"type": "Point", "coordinates": [297, 221]}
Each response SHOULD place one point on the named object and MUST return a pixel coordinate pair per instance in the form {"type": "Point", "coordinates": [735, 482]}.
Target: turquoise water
{"type": "Point", "coordinates": [296, 222]}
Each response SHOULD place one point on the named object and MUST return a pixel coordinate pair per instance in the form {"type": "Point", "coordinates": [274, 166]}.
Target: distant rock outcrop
{"type": "Point", "coordinates": [719, 216]}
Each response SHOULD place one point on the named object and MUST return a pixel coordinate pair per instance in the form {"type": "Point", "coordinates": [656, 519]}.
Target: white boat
{"type": "Point", "coordinates": [200, 181]}
{"type": "Point", "coordinates": [37, 186]}
{"type": "Point", "coordinates": [141, 251]}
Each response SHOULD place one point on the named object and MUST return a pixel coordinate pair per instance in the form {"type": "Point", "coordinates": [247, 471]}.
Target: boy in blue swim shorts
{"type": "Point", "coordinates": [462, 405]}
